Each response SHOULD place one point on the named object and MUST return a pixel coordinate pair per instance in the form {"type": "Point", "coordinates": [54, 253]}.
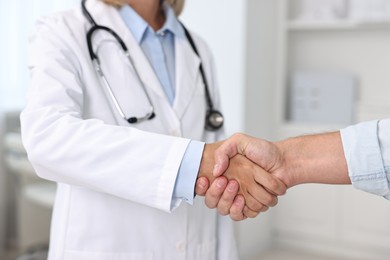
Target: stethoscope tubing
{"type": "Point", "coordinates": [214, 118]}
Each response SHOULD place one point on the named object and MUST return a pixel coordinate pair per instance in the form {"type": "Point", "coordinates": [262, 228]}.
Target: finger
{"type": "Point", "coordinates": [260, 196]}
{"type": "Point", "coordinates": [214, 193]}
{"type": "Point", "coordinates": [264, 209]}
{"type": "Point", "coordinates": [227, 198]}
{"type": "Point", "coordinates": [236, 211]}
{"type": "Point", "coordinates": [202, 185]}
{"type": "Point", "coordinates": [254, 204]}
{"type": "Point", "coordinates": [250, 213]}
{"type": "Point", "coordinates": [270, 182]}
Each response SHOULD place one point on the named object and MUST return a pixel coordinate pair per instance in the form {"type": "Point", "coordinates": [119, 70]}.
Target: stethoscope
{"type": "Point", "coordinates": [214, 118]}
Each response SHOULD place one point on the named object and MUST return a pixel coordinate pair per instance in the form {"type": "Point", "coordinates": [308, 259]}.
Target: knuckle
{"type": "Point", "coordinates": [236, 214]}
{"type": "Point", "coordinates": [209, 205]}
{"type": "Point", "coordinates": [264, 209]}
{"type": "Point", "coordinates": [223, 208]}
{"type": "Point", "coordinates": [249, 213]}
{"type": "Point", "coordinates": [238, 136]}
{"type": "Point", "coordinates": [270, 200]}
{"type": "Point", "coordinates": [200, 191]}
{"type": "Point", "coordinates": [226, 202]}
{"type": "Point", "coordinates": [236, 218]}
{"type": "Point", "coordinates": [274, 185]}
{"type": "Point", "coordinates": [223, 211]}
{"type": "Point", "coordinates": [214, 192]}
{"type": "Point", "coordinates": [254, 206]}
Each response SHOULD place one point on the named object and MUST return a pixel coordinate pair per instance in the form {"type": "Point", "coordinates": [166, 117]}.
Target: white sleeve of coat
{"type": "Point", "coordinates": [63, 147]}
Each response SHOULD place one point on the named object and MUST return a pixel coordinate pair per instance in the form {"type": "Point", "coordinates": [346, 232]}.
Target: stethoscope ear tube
{"type": "Point", "coordinates": [87, 14]}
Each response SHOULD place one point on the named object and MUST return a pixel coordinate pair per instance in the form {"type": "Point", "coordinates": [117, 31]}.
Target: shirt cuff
{"type": "Point", "coordinates": [188, 173]}
{"type": "Point", "coordinates": [364, 158]}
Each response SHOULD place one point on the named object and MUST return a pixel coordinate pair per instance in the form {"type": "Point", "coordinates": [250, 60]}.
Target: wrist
{"type": "Point", "coordinates": [313, 159]}
{"type": "Point", "coordinates": [287, 170]}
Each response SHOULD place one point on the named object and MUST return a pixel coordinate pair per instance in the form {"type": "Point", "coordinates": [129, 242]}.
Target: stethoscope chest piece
{"type": "Point", "coordinates": [214, 120]}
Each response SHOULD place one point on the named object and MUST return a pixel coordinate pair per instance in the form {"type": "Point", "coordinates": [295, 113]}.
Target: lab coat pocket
{"type": "Point", "coordinates": [207, 251]}
{"type": "Point", "coordinates": [79, 255]}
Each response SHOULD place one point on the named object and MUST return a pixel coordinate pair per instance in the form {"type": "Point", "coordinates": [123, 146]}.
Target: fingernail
{"type": "Point", "coordinates": [232, 186]}
{"type": "Point", "coordinates": [220, 183]}
{"type": "Point", "coordinates": [202, 183]}
{"type": "Point", "coordinates": [238, 201]}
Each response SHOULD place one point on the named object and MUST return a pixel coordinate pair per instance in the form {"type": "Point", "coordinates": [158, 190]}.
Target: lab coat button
{"type": "Point", "coordinates": [180, 247]}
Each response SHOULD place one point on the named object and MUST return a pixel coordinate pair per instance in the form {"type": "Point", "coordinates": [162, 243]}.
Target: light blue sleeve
{"type": "Point", "coordinates": [365, 146]}
{"type": "Point", "coordinates": [188, 172]}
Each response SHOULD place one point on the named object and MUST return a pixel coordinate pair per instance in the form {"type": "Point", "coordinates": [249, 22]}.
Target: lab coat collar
{"type": "Point", "coordinates": [138, 26]}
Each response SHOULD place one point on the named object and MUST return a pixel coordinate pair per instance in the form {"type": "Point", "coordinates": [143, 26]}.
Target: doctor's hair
{"type": "Point", "coordinates": [177, 5]}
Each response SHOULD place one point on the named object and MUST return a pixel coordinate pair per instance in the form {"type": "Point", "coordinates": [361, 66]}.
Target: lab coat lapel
{"type": "Point", "coordinates": [187, 75]}
{"type": "Point", "coordinates": [110, 17]}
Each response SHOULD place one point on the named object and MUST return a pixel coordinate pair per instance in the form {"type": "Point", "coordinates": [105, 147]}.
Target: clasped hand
{"type": "Point", "coordinates": [241, 176]}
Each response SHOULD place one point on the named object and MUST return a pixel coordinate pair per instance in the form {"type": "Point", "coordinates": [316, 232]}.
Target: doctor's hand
{"type": "Point", "coordinates": [256, 188]}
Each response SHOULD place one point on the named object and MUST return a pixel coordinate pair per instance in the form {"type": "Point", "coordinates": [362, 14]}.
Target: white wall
{"type": "Point", "coordinates": [222, 24]}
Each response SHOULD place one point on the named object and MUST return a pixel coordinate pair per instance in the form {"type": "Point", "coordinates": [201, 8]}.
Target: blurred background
{"type": "Point", "coordinates": [286, 68]}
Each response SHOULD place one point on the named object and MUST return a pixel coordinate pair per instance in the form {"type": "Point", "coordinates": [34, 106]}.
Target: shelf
{"type": "Point", "coordinates": [336, 25]}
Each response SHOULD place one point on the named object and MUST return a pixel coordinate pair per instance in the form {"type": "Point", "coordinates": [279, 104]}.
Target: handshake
{"type": "Point", "coordinates": [243, 176]}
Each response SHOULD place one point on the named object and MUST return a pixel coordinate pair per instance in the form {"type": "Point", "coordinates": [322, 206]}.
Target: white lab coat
{"type": "Point", "coordinates": [115, 181]}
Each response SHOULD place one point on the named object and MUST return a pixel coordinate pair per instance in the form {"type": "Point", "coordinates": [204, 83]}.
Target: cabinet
{"type": "Point", "coordinates": [349, 46]}
{"type": "Point", "coordinates": [333, 219]}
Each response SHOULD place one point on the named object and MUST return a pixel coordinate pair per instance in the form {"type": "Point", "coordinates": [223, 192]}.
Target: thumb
{"type": "Point", "coordinates": [222, 155]}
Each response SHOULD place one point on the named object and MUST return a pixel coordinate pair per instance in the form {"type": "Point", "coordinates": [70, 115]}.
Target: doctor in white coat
{"type": "Point", "coordinates": [117, 181]}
